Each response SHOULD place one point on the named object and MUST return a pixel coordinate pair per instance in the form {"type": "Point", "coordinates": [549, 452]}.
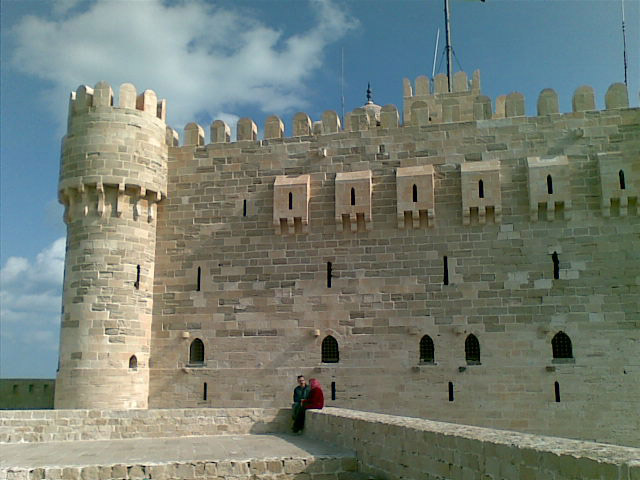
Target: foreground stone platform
{"type": "Point", "coordinates": [269, 456]}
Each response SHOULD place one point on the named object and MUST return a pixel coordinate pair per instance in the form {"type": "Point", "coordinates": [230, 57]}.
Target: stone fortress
{"type": "Point", "coordinates": [451, 261]}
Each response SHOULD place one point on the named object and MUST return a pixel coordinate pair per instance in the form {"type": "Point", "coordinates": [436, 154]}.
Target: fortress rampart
{"type": "Point", "coordinates": [467, 265]}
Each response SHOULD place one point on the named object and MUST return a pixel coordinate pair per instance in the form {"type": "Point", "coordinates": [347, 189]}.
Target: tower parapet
{"type": "Point", "coordinates": [113, 172]}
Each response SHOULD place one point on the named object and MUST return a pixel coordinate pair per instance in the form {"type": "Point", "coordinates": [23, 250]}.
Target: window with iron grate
{"type": "Point", "coordinates": [330, 351]}
{"type": "Point", "coordinates": [196, 352]}
{"type": "Point", "coordinates": [472, 350]}
{"type": "Point", "coordinates": [561, 346]}
{"type": "Point", "coordinates": [426, 350]}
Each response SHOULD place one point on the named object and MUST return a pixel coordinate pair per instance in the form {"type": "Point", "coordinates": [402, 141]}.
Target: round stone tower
{"type": "Point", "coordinates": [113, 172]}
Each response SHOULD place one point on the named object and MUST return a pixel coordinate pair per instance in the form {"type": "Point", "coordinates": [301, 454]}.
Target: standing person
{"type": "Point", "coordinates": [315, 401]}
{"type": "Point", "coordinates": [300, 393]}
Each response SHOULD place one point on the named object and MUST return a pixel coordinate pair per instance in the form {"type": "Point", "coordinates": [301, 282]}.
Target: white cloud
{"type": "Point", "coordinates": [30, 302]}
{"type": "Point", "coordinates": [201, 58]}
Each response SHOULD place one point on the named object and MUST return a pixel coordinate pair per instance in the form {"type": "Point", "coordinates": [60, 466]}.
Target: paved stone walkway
{"type": "Point", "coordinates": [149, 451]}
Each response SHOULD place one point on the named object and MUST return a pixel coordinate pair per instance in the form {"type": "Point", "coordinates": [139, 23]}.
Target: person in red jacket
{"type": "Point", "coordinates": [314, 401]}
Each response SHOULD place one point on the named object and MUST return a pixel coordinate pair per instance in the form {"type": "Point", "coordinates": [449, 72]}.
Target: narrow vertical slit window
{"type": "Point", "coordinates": [329, 274]}
{"type": "Point", "coordinates": [199, 279]}
{"type": "Point", "coordinates": [451, 391]}
{"type": "Point", "coordinates": [621, 178]}
{"type": "Point", "coordinates": [480, 189]}
{"type": "Point", "coordinates": [353, 196]}
{"type": "Point", "coordinates": [556, 387]}
{"type": "Point", "coordinates": [244, 207]}
{"type": "Point", "coordinates": [137, 282]}
{"type": "Point", "coordinates": [204, 391]}
{"type": "Point", "coordinates": [445, 277]}
{"type": "Point", "coordinates": [415, 193]}
{"type": "Point", "coordinates": [290, 200]}
{"type": "Point", "coordinates": [549, 185]}
{"type": "Point", "coordinates": [333, 390]}
{"type": "Point", "coordinates": [556, 265]}
{"type": "Point", "coordinates": [133, 362]}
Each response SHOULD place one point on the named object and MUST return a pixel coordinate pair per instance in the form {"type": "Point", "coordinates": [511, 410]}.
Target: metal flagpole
{"type": "Point", "coordinates": [624, 44]}
{"type": "Point", "coordinates": [449, 48]}
{"type": "Point", "coordinates": [435, 54]}
{"type": "Point", "coordinates": [342, 85]}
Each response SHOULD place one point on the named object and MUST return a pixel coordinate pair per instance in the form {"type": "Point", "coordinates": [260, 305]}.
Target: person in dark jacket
{"type": "Point", "coordinates": [300, 393]}
{"type": "Point", "coordinates": [315, 401]}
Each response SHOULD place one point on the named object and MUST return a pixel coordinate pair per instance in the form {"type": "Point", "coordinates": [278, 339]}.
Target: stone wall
{"type": "Point", "coordinates": [262, 304]}
{"type": "Point", "coordinates": [67, 425]}
{"type": "Point", "coordinates": [26, 393]}
{"type": "Point", "coordinates": [400, 447]}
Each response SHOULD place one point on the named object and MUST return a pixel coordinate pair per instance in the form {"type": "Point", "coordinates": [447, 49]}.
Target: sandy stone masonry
{"type": "Point", "coordinates": [113, 173]}
{"type": "Point", "coordinates": [208, 272]}
{"type": "Point", "coordinates": [410, 448]}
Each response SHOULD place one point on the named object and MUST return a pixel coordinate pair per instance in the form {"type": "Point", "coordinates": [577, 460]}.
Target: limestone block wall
{"type": "Point", "coordinates": [409, 448]}
{"type": "Point", "coordinates": [266, 302]}
{"type": "Point", "coordinates": [68, 425]}
{"type": "Point", "coordinates": [113, 172]}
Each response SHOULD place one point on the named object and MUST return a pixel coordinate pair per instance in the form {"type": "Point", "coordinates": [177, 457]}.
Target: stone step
{"type": "Point", "coordinates": [233, 457]}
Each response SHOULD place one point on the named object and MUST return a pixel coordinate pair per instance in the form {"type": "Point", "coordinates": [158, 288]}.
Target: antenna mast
{"type": "Point", "coordinates": [624, 44]}
{"type": "Point", "coordinates": [342, 84]}
{"type": "Point", "coordinates": [449, 48]}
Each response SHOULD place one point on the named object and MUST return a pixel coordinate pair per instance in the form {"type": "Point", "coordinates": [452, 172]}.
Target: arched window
{"type": "Point", "coordinates": [481, 189]}
{"type": "Point", "coordinates": [330, 352]}
{"type": "Point", "coordinates": [426, 350]}
{"type": "Point", "coordinates": [133, 362]}
{"type": "Point", "coordinates": [196, 352]}
{"type": "Point", "coordinates": [415, 193]}
{"type": "Point", "coordinates": [353, 196]}
{"type": "Point", "coordinates": [561, 346]}
{"type": "Point", "coordinates": [290, 200]}
{"type": "Point", "coordinates": [621, 177]}
{"type": "Point", "coordinates": [472, 350]}
{"type": "Point", "coordinates": [549, 185]}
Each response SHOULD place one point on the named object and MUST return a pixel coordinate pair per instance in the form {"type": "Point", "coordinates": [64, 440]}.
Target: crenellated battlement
{"type": "Point", "coordinates": [101, 95]}
{"type": "Point", "coordinates": [427, 102]}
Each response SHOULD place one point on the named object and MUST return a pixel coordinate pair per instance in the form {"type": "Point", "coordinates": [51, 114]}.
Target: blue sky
{"type": "Point", "coordinates": [235, 58]}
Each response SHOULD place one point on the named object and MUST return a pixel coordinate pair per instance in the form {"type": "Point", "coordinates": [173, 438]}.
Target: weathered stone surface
{"type": "Point", "coordinates": [583, 99]}
{"type": "Point", "coordinates": [193, 135]}
{"type": "Point", "coordinates": [616, 96]}
{"type": "Point", "coordinates": [547, 102]}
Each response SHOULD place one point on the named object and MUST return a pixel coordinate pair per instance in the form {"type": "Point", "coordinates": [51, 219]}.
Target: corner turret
{"type": "Point", "coordinates": [113, 172]}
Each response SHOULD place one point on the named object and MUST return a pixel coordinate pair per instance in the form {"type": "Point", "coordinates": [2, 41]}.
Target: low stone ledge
{"type": "Point", "coordinates": [410, 448]}
{"type": "Point", "coordinates": [17, 426]}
